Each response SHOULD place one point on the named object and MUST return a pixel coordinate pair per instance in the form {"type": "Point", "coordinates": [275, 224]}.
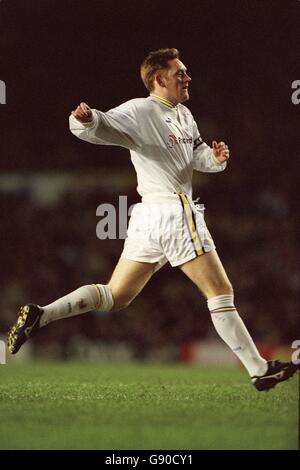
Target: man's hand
{"type": "Point", "coordinates": [221, 151]}
{"type": "Point", "coordinates": [83, 113]}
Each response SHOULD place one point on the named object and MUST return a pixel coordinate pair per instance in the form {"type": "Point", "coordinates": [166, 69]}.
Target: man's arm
{"type": "Point", "coordinates": [116, 127]}
{"type": "Point", "coordinates": [209, 159]}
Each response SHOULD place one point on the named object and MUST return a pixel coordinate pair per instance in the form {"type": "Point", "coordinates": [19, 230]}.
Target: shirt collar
{"type": "Point", "coordinates": [165, 102]}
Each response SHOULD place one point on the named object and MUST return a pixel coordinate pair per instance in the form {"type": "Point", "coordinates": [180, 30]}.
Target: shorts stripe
{"type": "Point", "coordinates": [194, 220]}
{"type": "Point", "coordinates": [191, 224]}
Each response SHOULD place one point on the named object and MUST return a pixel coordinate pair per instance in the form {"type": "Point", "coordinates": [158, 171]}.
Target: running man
{"type": "Point", "coordinates": [165, 147]}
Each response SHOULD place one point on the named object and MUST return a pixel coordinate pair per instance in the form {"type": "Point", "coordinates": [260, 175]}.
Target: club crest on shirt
{"type": "Point", "coordinates": [173, 140]}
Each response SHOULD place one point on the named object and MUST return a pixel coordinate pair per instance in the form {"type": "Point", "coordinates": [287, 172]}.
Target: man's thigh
{"type": "Point", "coordinates": [128, 279]}
{"type": "Point", "coordinates": [208, 273]}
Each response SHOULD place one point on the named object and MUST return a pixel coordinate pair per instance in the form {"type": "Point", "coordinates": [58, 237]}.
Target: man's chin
{"type": "Point", "coordinates": [185, 97]}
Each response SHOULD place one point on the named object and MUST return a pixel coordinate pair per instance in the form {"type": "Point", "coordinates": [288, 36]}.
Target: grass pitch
{"type": "Point", "coordinates": [142, 406]}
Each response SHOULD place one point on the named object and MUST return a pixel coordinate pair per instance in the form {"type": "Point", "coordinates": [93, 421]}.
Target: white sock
{"type": "Point", "coordinates": [84, 299]}
{"type": "Point", "coordinates": [232, 330]}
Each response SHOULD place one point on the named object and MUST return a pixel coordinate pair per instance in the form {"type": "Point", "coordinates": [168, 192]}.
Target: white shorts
{"type": "Point", "coordinates": [167, 227]}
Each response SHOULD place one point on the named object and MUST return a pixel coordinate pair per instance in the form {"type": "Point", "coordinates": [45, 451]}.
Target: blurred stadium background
{"type": "Point", "coordinates": [51, 58]}
{"type": "Point", "coordinates": [242, 56]}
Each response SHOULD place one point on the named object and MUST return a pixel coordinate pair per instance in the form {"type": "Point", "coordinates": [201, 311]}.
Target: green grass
{"type": "Point", "coordinates": [142, 406]}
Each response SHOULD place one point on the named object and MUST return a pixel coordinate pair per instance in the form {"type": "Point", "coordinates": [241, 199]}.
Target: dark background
{"type": "Point", "coordinates": [243, 56]}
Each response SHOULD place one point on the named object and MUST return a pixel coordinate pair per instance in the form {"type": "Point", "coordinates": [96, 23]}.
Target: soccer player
{"type": "Point", "coordinates": [165, 147]}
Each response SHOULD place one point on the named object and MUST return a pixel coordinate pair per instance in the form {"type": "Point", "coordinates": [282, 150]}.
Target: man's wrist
{"type": "Point", "coordinates": [215, 159]}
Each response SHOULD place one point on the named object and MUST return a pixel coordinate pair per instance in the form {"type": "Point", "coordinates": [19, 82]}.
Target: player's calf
{"type": "Point", "coordinates": [32, 317]}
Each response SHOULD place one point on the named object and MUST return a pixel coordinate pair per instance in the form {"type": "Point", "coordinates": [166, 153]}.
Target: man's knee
{"type": "Point", "coordinates": [226, 287]}
{"type": "Point", "coordinates": [120, 304]}
{"type": "Point", "coordinates": [121, 300]}
{"type": "Point", "coordinates": [112, 299]}
{"type": "Point", "coordinates": [219, 287]}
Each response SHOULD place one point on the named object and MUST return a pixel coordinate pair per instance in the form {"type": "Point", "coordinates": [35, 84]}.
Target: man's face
{"type": "Point", "coordinates": [176, 81]}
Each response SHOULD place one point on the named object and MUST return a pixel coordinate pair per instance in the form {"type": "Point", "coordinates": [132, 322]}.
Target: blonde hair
{"type": "Point", "coordinates": [155, 61]}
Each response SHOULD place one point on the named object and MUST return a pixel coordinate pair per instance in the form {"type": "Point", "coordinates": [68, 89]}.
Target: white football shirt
{"type": "Point", "coordinates": [164, 142]}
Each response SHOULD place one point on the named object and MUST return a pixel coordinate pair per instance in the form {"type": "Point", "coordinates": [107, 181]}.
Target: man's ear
{"type": "Point", "coordinates": [160, 80]}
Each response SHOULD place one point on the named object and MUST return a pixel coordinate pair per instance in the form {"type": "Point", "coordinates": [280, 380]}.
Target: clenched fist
{"type": "Point", "coordinates": [83, 113]}
{"type": "Point", "coordinates": [221, 151]}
